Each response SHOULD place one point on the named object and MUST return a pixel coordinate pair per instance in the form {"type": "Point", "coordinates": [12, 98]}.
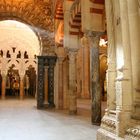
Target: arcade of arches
{"type": "Point", "coordinates": [75, 55]}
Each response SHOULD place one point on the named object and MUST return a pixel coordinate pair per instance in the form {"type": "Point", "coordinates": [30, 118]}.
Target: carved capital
{"type": "Point", "coordinates": [3, 73]}
{"type": "Point", "coordinates": [85, 41]}
{"type": "Point", "coordinates": [60, 60]}
{"type": "Point", "coordinates": [21, 76]}
{"type": "Point", "coordinates": [72, 52]}
{"type": "Point", "coordinates": [93, 37]}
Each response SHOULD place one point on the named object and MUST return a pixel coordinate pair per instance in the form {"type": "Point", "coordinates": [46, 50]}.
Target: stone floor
{"type": "Point", "coordinates": [84, 107]}
{"type": "Point", "coordinates": [20, 120]}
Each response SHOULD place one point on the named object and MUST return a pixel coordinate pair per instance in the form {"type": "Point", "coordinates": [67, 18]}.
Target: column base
{"type": "Point", "coordinates": [98, 124]}
{"type": "Point", "coordinates": [133, 133]}
{"type": "Point", "coordinates": [72, 112]}
{"type": "Point", "coordinates": [3, 97]}
{"type": "Point", "coordinates": [21, 98]}
{"type": "Point", "coordinates": [105, 135]}
{"type": "Point", "coordinates": [49, 105]}
{"type": "Point", "coordinates": [60, 108]}
{"type": "Point", "coordinates": [40, 106]}
{"type": "Point", "coordinates": [85, 96]}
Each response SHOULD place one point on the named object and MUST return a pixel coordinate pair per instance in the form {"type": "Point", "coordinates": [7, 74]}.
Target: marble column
{"type": "Point", "coordinates": [3, 85]}
{"type": "Point", "coordinates": [40, 86]}
{"type": "Point", "coordinates": [85, 68]}
{"type": "Point", "coordinates": [42, 62]}
{"type": "Point", "coordinates": [21, 87]}
{"type": "Point", "coordinates": [51, 82]}
{"type": "Point", "coordinates": [94, 38]}
{"type": "Point", "coordinates": [111, 72]}
{"type": "Point", "coordinates": [79, 72]}
{"type": "Point", "coordinates": [65, 83]}
{"type": "Point", "coordinates": [46, 85]}
{"type": "Point", "coordinates": [60, 82]}
{"type": "Point", "coordinates": [134, 30]}
{"type": "Point", "coordinates": [123, 34]}
{"type": "Point", "coordinates": [72, 52]}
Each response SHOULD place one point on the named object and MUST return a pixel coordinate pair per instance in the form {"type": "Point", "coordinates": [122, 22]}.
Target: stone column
{"type": "Point", "coordinates": [46, 85]}
{"type": "Point", "coordinates": [51, 82]}
{"type": "Point", "coordinates": [111, 72]}
{"type": "Point", "coordinates": [40, 85]}
{"type": "Point", "coordinates": [85, 68]}
{"type": "Point", "coordinates": [3, 85]}
{"type": "Point", "coordinates": [79, 72]}
{"type": "Point", "coordinates": [124, 68]}
{"type": "Point", "coordinates": [21, 87]}
{"type": "Point", "coordinates": [60, 82]}
{"type": "Point", "coordinates": [134, 29]}
{"type": "Point", "coordinates": [94, 38]}
{"type": "Point", "coordinates": [65, 85]}
{"type": "Point", "coordinates": [72, 81]}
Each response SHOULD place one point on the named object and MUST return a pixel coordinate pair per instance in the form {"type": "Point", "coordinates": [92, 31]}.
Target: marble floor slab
{"type": "Point", "coordinates": [20, 120]}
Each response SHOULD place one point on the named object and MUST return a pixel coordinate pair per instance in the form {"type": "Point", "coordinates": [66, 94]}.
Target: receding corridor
{"type": "Point", "coordinates": [20, 120]}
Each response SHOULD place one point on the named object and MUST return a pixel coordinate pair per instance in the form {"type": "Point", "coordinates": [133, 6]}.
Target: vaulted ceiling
{"type": "Point", "coordinates": [36, 13]}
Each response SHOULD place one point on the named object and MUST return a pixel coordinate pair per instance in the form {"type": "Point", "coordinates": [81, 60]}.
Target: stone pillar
{"type": "Point", "coordinates": [42, 62]}
{"type": "Point", "coordinates": [94, 38]}
{"type": "Point", "coordinates": [3, 86]}
{"type": "Point", "coordinates": [85, 69]}
{"type": "Point", "coordinates": [21, 87]}
{"type": "Point", "coordinates": [111, 72]}
{"type": "Point", "coordinates": [72, 81]}
{"type": "Point", "coordinates": [79, 72]}
{"type": "Point", "coordinates": [40, 85]}
{"type": "Point", "coordinates": [60, 82]}
{"type": "Point", "coordinates": [65, 85]}
{"type": "Point", "coordinates": [51, 82]}
{"type": "Point", "coordinates": [134, 29]}
{"type": "Point", "coordinates": [124, 69]}
{"type": "Point", "coordinates": [46, 85]}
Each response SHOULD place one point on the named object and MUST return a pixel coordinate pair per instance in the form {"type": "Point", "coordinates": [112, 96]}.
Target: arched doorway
{"type": "Point", "coordinates": [19, 48]}
{"type": "Point", "coordinates": [38, 16]}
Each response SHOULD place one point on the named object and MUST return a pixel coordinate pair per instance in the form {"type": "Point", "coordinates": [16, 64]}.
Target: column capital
{"type": "Point", "coordinates": [85, 41]}
{"type": "Point", "coordinates": [93, 33]}
{"type": "Point", "coordinates": [22, 73]}
{"type": "Point", "coordinates": [92, 38]}
{"type": "Point", "coordinates": [3, 72]}
{"type": "Point", "coordinates": [52, 62]}
{"type": "Point", "coordinates": [60, 59]}
{"type": "Point", "coordinates": [72, 52]}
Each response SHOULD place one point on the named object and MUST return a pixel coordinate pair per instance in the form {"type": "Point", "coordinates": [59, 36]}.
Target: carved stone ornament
{"type": "Point", "coordinates": [133, 133]}
{"type": "Point", "coordinates": [93, 37]}
{"type": "Point", "coordinates": [108, 124]}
